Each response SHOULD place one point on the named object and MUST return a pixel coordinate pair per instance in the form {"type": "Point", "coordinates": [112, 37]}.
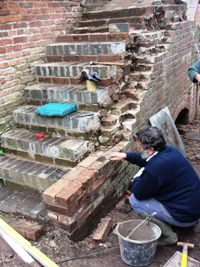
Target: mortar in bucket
{"type": "Point", "coordinates": [139, 248]}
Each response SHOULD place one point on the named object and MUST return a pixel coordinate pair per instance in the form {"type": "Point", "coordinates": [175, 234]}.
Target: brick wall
{"type": "Point", "coordinates": [171, 86]}
{"type": "Point", "coordinates": [26, 27]}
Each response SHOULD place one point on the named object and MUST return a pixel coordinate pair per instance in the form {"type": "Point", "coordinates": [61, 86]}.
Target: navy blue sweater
{"type": "Point", "coordinates": [194, 70]}
{"type": "Point", "coordinates": [169, 178]}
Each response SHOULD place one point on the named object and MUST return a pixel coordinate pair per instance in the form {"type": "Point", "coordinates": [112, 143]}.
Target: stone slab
{"type": "Point", "coordinates": [164, 121]}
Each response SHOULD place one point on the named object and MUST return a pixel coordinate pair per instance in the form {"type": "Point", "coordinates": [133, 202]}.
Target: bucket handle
{"type": "Point", "coordinates": [147, 219]}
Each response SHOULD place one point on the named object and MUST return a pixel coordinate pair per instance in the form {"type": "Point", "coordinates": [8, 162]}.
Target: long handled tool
{"type": "Point", "coordinates": [184, 256]}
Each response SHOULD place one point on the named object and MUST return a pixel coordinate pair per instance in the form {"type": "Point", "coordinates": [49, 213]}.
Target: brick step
{"type": "Point", "coordinates": [136, 21]}
{"type": "Point", "coordinates": [118, 13]}
{"type": "Point", "coordinates": [54, 150]}
{"type": "Point", "coordinates": [70, 73]}
{"type": "Point", "coordinates": [93, 37]}
{"type": "Point", "coordinates": [85, 48]}
{"type": "Point", "coordinates": [167, 12]}
{"type": "Point", "coordinates": [41, 93]}
{"type": "Point", "coordinates": [25, 173]}
{"type": "Point", "coordinates": [29, 205]}
{"type": "Point", "coordinates": [77, 123]}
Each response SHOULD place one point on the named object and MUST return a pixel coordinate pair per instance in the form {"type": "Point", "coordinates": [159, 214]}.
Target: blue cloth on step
{"type": "Point", "coordinates": [56, 109]}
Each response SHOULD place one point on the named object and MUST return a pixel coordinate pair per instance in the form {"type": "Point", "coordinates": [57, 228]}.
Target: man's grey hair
{"type": "Point", "coordinates": [151, 137]}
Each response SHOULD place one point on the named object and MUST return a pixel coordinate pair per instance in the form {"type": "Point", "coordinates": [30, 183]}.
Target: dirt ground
{"type": "Point", "coordinates": [56, 245]}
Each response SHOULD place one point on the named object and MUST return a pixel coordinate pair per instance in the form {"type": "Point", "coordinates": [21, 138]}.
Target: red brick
{"type": "Point", "coordinates": [29, 230]}
{"type": "Point", "coordinates": [13, 48]}
{"type": "Point", "coordinates": [60, 80]}
{"type": "Point", "coordinates": [103, 229]}
{"type": "Point", "coordinates": [71, 58]}
{"type": "Point", "coordinates": [49, 194]}
{"type": "Point", "coordinates": [44, 80]}
{"type": "Point", "coordinates": [68, 211]}
{"type": "Point", "coordinates": [2, 50]}
{"type": "Point", "coordinates": [81, 38]}
{"type": "Point", "coordinates": [54, 58]}
{"type": "Point", "coordinates": [97, 37]}
{"type": "Point", "coordinates": [70, 194]}
{"type": "Point", "coordinates": [5, 42]}
{"type": "Point", "coordinates": [66, 38]}
{"type": "Point", "coordinates": [20, 40]}
{"type": "Point", "coordinates": [88, 58]}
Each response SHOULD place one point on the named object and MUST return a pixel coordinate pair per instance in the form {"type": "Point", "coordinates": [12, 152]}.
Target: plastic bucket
{"type": "Point", "coordinates": [139, 249]}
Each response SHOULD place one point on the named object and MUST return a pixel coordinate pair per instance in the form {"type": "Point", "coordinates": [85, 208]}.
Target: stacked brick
{"type": "Point", "coordinates": [75, 197]}
{"type": "Point", "coordinates": [25, 28]}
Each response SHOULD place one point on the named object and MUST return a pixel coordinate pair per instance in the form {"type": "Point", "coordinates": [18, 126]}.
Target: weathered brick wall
{"type": "Point", "coordinates": [26, 27]}
{"type": "Point", "coordinates": [170, 85]}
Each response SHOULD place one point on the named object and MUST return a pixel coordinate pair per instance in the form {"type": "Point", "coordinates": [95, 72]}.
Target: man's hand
{"type": "Point", "coordinates": [197, 77]}
{"type": "Point", "coordinates": [118, 156]}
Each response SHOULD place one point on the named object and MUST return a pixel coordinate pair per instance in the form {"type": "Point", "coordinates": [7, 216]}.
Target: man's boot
{"type": "Point", "coordinates": [168, 236]}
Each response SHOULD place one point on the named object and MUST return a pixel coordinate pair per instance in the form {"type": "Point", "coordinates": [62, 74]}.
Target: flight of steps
{"type": "Point", "coordinates": [59, 163]}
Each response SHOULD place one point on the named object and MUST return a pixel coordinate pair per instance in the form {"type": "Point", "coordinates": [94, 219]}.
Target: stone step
{"type": "Point", "coordinates": [86, 48]}
{"type": "Point", "coordinates": [118, 13]}
{"type": "Point", "coordinates": [76, 123]}
{"type": "Point", "coordinates": [17, 171]}
{"type": "Point", "coordinates": [54, 150]}
{"type": "Point", "coordinates": [29, 205]}
{"type": "Point", "coordinates": [136, 21]}
{"type": "Point", "coordinates": [42, 93]}
{"type": "Point", "coordinates": [156, 15]}
{"type": "Point", "coordinates": [69, 73]}
{"type": "Point", "coordinates": [93, 37]}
